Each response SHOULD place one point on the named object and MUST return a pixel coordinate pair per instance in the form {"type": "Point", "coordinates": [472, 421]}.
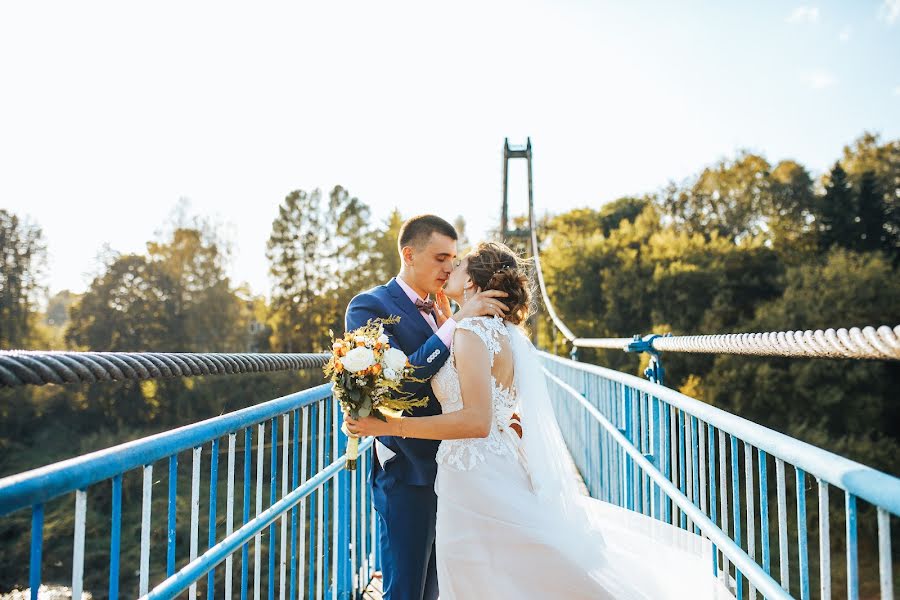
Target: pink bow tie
{"type": "Point", "coordinates": [425, 306]}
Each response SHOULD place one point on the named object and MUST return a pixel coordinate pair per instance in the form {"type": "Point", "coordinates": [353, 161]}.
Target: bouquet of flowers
{"type": "Point", "coordinates": [367, 375]}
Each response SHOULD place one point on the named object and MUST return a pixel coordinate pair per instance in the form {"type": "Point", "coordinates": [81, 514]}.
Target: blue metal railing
{"type": "Point", "coordinates": [314, 539]}
{"type": "Point", "coordinates": [637, 444]}
{"type": "Point", "coordinates": [651, 449]}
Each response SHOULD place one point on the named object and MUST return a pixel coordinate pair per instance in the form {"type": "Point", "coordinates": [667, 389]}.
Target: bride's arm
{"type": "Point", "coordinates": [472, 421]}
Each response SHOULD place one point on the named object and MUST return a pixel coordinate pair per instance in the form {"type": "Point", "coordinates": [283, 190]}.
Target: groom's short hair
{"type": "Point", "coordinates": [417, 231]}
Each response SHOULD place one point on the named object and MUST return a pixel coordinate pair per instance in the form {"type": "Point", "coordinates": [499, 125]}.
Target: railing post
{"type": "Point", "coordinates": [344, 575]}
{"type": "Point", "coordinates": [628, 431]}
{"type": "Point", "coordinates": [659, 453]}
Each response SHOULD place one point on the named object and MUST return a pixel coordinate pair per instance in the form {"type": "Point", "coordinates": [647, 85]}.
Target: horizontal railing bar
{"type": "Point", "coordinates": [42, 484]}
{"type": "Point", "coordinates": [36, 367]}
{"type": "Point", "coordinates": [873, 486]}
{"type": "Point", "coordinates": [739, 558]}
{"type": "Point", "coordinates": [194, 570]}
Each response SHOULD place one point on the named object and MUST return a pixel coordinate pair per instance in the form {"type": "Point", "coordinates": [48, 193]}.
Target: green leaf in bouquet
{"type": "Point", "coordinates": [404, 404]}
{"type": "Point", "coordinates": [364, 411]}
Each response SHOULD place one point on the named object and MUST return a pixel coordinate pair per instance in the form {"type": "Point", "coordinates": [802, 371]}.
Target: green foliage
{"type": "Point", "coordinates": [321, 254]}
{"type": "Point", "coordinates": [385, 254]}
{"type": "Point", "coordinates": [23, 256]}
{"type": "Point", "coordinates": [874, 169]}
{"type": "Point", "coordinates": [841, 399]}
{"type": "Point", "coordinates": [743, 247]}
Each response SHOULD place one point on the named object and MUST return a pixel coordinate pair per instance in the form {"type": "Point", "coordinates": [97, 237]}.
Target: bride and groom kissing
{"type": "Point", "coordinates": [474, 493]}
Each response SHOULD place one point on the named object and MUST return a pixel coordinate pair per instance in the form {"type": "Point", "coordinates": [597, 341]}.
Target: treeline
{"type": "Point", "coordinates": [749, 246]}
{"type": "Point", "coordinates": [176, 297]}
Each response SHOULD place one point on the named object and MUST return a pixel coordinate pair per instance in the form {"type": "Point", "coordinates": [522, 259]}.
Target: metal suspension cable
{"type": "Point", "coordinates": [30, 367]}
{"type": "Point", "coordinates": [865, 342]}
{"type": "Point", "coordinates": [540, 277]}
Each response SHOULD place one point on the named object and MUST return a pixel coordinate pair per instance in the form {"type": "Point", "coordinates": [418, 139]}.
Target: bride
{"type": "Point", "coordinates": [511, 522]}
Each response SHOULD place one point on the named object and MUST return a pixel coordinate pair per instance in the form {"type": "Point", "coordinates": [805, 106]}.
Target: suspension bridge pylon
{"type": "Point", "coordinates": [522, 238]}
{"type": "Point", "coordinates": [511, 152]}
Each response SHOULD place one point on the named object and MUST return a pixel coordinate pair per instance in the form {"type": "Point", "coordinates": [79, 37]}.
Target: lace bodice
{"type": "Point", "coordinates": [465, 454]}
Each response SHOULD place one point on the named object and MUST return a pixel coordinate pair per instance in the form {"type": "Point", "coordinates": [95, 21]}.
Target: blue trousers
{"type": "Point", "coordinates": [407, 515]}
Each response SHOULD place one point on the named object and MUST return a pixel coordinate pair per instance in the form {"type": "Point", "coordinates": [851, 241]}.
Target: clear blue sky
{"type": "Point", "coordinates": [112, 111]}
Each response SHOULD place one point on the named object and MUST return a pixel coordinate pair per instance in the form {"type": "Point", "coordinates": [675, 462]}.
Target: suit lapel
{"type": "Point", "coordinates": [407, 306]}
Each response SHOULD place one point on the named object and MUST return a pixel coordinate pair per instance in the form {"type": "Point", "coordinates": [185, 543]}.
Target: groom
{"type": "Point", "coordinates": [404, 470]}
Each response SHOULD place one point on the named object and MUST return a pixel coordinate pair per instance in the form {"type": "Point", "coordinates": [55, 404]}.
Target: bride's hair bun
{"type": "Point", "coordinates": [494, 266]}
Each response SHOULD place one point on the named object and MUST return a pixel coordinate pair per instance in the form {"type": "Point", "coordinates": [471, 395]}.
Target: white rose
{"type": "Point", "coordinates": [391, 374]}
{"type": "Point", "coordinates": [358, 359]}
{"type": "Point", "coordinates": [383, 339]}
{"type": "Point", "coordinates": [394, 360]}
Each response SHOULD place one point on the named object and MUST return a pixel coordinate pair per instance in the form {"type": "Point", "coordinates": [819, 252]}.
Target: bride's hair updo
{"type": "Point", "coordinates": [494, 266]}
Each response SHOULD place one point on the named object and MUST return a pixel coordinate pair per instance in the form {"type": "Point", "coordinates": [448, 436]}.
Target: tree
{"type": "Point", "coordinates": [206, 311]}
{"type": "Point", "coordinates": [23, 257]}
{"type": "Point", "coordinates": [50, 329]}
{"type": "Point", "coordinates": [129, 308]}
{"type": "Point", "coordinates": [294, 251]}
{"type": "Point", "coordinates": [58, 306]}
{"type": "Point", "coordinates": [789, 208]}
{"type": "Point", "coordinates": [385, 254]}
{"type": "Point", "coordinates": [872, 227]}
{"type": "Point", "coordinates": [319, 258]}
{"type": "Point", "coordinates": [348, 257]}
{"type": "Point", "coordinates": [612, 214]}
{"type": "Point", "coordinates": [175, 299]}
{"type": "Point", "coordinates": [836, 212]}
{"type": "Point", "coordinates": [869, 154]}
{"type": "Point", "coordinates": [730, 199]}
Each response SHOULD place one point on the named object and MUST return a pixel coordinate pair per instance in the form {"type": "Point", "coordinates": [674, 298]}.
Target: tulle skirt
{"type": "Point", "coordinates": [496, 540]}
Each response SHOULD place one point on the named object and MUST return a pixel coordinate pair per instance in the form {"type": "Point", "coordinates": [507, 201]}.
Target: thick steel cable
{"type": "Point", "coordinates": [30, 367]}
{"type": "Point", "coordinates": [866, 342]}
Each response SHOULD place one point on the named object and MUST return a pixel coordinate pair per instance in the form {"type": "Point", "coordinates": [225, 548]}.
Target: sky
{"type": "Point", "coordinates": [111, 112]}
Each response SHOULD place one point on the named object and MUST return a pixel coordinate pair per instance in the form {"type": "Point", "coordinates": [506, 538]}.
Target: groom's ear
{"type": "Point", "coordinates": [406, 254]}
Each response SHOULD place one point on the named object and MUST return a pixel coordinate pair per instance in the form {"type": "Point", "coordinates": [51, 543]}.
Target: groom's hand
{"type": "Point", "coordinates": [483, 304]}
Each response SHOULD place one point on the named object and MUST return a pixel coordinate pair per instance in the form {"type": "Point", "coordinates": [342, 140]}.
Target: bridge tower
{"type": "Point", "coordinates": [521, 239]}
{"type": "Point", "coordinates": [509, 153]}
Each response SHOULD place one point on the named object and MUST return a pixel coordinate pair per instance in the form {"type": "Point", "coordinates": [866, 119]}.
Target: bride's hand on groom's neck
{"type": "Point", "coordinates": [483, 304]}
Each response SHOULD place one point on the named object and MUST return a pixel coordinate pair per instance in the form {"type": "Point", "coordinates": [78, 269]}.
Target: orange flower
{"type": "Point", "coordinates": [338, 366]}
{"type": "Point", "coordinates": [360, 343]}
{"type": "Point", "coordinates": [376, 369]}
{"type": "Point", "coordinates": [342, 351]}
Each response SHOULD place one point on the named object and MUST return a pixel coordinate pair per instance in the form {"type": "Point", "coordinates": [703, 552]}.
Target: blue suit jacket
{"type": "Point", "coordinates": [414, 463]}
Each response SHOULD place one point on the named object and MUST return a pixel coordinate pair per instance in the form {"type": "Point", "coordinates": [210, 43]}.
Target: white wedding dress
{"type": "Point", "coordinates": [509, 524]}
